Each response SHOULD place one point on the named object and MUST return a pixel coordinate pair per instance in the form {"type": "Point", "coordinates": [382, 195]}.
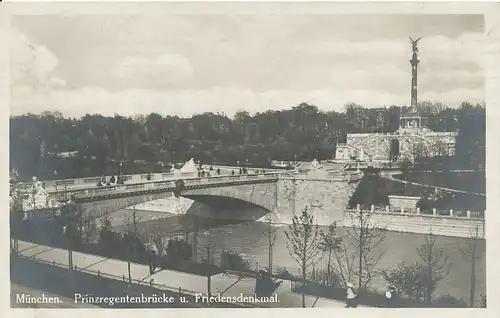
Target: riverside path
{"type": "Point", "coordinates": [169, 280]}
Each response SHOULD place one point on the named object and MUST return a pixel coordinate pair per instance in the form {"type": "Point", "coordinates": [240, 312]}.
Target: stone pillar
{"type": "Point", "coordinates": [451, 212]}
{"type": "Point", "coordinates": [358, 208]}
{"type": "Point", "coordinates": [468, 214]}
{"type": "Point", "coordinates": [418, 210]}
{"type": "Point", "coordinates": [372, 208]}
{"type": "Point", "coordinates": [387, 208]}
{"type": "Point", "coordinates": [402, 210]}
{"type": "Point", "coordinates": [434, 211]}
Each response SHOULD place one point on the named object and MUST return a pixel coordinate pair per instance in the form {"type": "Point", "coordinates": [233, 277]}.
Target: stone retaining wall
{"type": "Point", "coordinates": [423, 224]}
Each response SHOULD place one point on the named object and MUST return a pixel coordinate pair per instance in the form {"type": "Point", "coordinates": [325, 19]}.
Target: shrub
{"type": "Point", "coordinates": [448, 301]}
{"type": "Point", "coordinates": [231, 260]}
{"type": "Point", "coordinates": [322, 277]}
{"type": "Point", "coordinates": [179, 250]}
{"type": "Point", "coordinates": [283, 273]}
{"type": "Point", "coordinates": [409, 279]}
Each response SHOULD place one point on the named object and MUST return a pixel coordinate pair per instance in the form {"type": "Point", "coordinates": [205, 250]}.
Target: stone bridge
{"type": "Point", "coordinates": [285, 195]}
{"type": "Point", "coordinates": [257, 190]}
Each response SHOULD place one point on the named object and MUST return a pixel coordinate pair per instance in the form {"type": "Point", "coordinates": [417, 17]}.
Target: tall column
{"type": "Point", "coordinates": [414, 62]}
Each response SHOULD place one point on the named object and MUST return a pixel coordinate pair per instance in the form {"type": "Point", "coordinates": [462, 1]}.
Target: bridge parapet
{"type": "Point", "coordinates": [92, 181]}
{"type": "Point", "coordinates": [439, 222]}
{"type": "Point", "coordinates": [167, 185]}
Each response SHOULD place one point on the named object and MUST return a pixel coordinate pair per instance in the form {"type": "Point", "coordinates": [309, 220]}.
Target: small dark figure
{"type": "Point", "coordinates": [232, 172]}
{"type": "Point", "coordinates": [263, 170]}
{"type": "Point", "coordinates": [112, 179]}
{"type": "Point", "coordinates": [218, 171]}
{"type": "Point", "coordinates": [241, 171]}
{"type": "Point", "coordinates": [148, 176]}
{"type": "Point", "coordinates": [120, 180]}
{"type": "Point", "coordinates": [99, 184]}
{"type": "Point", "coordinates": [211, 168]}
{"type": "Point", "coordinates": [351, 297]}
{"type": "Point", "coordinates": [390, 297]}
{"type": "Point", "coordinates": [152, 262]}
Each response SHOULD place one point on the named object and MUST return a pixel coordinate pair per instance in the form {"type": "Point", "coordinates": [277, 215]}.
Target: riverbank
{"type": "Point", "coordinates": [111, 272]}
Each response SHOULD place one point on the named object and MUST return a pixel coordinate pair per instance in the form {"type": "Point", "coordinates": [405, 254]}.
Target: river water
{"type": "Point", "coordinates": [249, 239]}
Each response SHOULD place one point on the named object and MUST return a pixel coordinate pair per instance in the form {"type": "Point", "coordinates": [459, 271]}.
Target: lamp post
{"type": "Point", "coordinates": [55, 178]}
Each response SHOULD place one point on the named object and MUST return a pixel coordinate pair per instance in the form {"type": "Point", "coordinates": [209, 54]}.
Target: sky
{"type": "Point", "coordinates": [187, 64]}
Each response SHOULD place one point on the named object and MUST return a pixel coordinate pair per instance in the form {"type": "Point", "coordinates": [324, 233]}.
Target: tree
{"type": "Point", "coordinates": [409, 279]}
{"type": "Point", "coordinates": [436, 265]}
{"type": "Point", "coordinates": [394, 150]}
{"type": "Point", "coordinates": [405, 168]}
{"type": "Point", "coordinates": [16, 215]}
{"type": "Point", "coordinates": [472, 254]}
{"type": "Point", "coordinates": [159, 239]}
{"type": "Point", "coordinates": [208, 260]}
{"type": "Point", "coordinates": [303, 240]}
{"type": "Point", "coordinates": [345, 262]}
{"type": "Point", "coordinates": [270, 233]}
{"type": "Point", "coordinates": [365, 238]}
{"type": "Point", "coordinates": [329, 243]}
{"type": "Point", "coordinates": [130, 238]}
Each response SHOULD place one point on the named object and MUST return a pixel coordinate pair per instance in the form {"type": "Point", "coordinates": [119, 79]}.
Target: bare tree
{"type": "Point", "coordinates": [365, 238]}
{"type": "Point", "coordinates": [88, 227]}
{"type": "Point", "coordinates": [159, 239]}
{"type": "Point", "coordinates": [471, 253]}
{"type": "Point", "coordinates": [345, 262]}
{"type": "Point", "coordinates": [436, 264]}
{"type": "Point", "coordinates": [131, 236]}
{"type": "Point", "coordinates": [328, 244]}
{"type": "Point", "coordinates": [209, 251]}
{"type": "Point", "coordinates": [303, 240]}
{"type": "Point", "coordinates": [270, 233]}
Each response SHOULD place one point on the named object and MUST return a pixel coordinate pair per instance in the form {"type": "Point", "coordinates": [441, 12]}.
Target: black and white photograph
{"type": "Point", "coordinates": [242, 158]}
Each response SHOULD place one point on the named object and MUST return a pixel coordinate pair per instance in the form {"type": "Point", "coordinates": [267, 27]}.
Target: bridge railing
{"type": "Point", "coordinates": [165, 184]}
{"type": "Point", "coordinates": [92, 181]}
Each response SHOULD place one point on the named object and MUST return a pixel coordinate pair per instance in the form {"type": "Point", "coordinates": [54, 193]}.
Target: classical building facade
{"type": "Point", "coordinates": [410, 141]}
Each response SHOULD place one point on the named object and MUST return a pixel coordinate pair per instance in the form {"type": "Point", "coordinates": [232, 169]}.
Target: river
{"type": "Point", "coordinates": [249, 239]}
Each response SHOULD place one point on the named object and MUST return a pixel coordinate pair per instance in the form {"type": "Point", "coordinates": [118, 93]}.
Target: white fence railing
{"type": "Point", "coordinates": [450, 213]}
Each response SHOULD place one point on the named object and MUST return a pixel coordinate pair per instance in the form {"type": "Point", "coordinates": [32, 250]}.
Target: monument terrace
{"type": "Point", "coordinates": [410, 139]}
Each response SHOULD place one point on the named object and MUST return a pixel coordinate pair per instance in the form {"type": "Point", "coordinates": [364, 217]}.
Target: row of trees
{"type": "Point", "coordinates": [354, 256]}
{"type": "Point", "coordinates": [300, 133]}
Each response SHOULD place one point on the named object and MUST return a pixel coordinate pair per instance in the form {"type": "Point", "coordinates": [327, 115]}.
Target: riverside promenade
{"type": "Point", "coordinates": [168, 280]}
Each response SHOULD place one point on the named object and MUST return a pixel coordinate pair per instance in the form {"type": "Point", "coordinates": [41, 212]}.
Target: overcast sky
{"type": "Point", "coordinates": [180, 65]}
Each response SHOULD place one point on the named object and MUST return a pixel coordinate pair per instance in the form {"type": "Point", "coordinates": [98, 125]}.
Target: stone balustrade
{"type": "Point", "coordinates": [417, 211]}
{"type": "Point", "coordinates": [168, 184]}
{"type": "Point", "coordinates": [440, 222]}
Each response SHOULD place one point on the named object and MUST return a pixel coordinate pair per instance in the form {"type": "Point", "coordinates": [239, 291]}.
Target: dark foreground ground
{"type": "Point", "coordinates": [31, 277]}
